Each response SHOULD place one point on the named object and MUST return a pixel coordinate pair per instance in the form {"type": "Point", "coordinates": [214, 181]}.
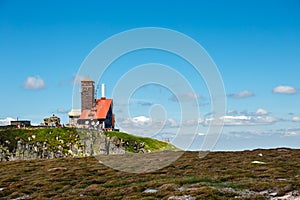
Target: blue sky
{"type": "Point", "coordinates": [254, 44]}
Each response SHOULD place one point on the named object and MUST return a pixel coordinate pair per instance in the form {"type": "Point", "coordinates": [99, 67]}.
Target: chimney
{"type": "Point", "coordinates": [103, 90]}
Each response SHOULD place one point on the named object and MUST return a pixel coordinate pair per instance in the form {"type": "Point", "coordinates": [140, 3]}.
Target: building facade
{"type": "Point", "coordinates": [74, 115]}
{"type": "Point", "coordinates": [94, 113]}
{"type": "Point", "coordinates": [52, 121]}
{"type": "Point", "coordinates": [87, 94]}
{"type": "Point", "coordinates": [20, 123]}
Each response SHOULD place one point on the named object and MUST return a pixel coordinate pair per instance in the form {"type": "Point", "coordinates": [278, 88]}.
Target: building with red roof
{"type": "Point", "coordinates": [95, 113]}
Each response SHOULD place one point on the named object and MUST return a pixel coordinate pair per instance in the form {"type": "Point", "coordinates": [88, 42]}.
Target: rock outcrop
{"type": "Point", "coordinates": [85, 143]}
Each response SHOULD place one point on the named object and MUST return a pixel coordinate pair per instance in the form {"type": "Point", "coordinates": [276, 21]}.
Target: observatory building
{"type": "Point", "coordinates": [94, 113]}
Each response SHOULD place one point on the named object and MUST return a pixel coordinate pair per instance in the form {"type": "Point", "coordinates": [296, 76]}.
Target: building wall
{"type": "Point", "coordinates": [109, 118]}
{"type": "Point", "coordinates": [20, 123]}
{"type": "Point", "coordinates": [87, 95]}
{"type": "Point", "coordinates": [73, 120]}
{"type": "Point", "coordinates": [74, 115]}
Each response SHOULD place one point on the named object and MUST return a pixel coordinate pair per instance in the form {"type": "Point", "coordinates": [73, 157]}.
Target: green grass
{"type": "Point", "coordinates": [52, 136]}
{"type": "Point", "coordinates": [150, 144]}
{"type": "Point", "coordinates": [66, 136]}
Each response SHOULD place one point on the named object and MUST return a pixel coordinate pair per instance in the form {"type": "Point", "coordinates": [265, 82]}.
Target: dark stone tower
{"type": "Point", "coordinates": [87, 94]}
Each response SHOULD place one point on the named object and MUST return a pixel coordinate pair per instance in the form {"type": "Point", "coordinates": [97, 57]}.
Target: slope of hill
{"type": "Point", "coordinates": [257, 174]}
{"type": "Point", "coordinates": [149, 143]}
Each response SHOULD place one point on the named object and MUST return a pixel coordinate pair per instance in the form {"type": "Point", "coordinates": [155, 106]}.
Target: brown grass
{"type": "Point", "coordinates": [219, 175]}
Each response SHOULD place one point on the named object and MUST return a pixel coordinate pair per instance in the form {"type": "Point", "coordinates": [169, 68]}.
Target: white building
{"type": "Point", "coordinates": [74, 115]}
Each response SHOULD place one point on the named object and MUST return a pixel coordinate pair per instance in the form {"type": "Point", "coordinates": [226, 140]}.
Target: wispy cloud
{"type": "Point", "coordinates": [269, 133]}
{"type": "Point", "coordinates": [242, 120]}
{"type": "Point", "coordinates": [141, 102]}
{"type": "Point", "coordinates": [233, 118]}
{"type": "Point", "coordinates": [34, 83]}
{"type": "Point", "coordinates": [242, 94]}
{"type": "Point", "coordinates": [261, 111]}
{"type": "Point", "coordinates": [141, 122]}
{"type": "Point", "coordinates": [192, 122]}
{"type": "Point", "coordinates": [291, 132]}
{"type": "Point", "coordinates": [186, 96]}
{"type": "Point", "coordinates": [232, 112]}
{"type": "Point", "coordinates": [284, 90]}
{"type": "Point", "coordinates": [240, 134]}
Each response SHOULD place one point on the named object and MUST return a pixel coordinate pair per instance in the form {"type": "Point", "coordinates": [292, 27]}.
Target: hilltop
{"type": "Point", "coordinates": [42, 142]}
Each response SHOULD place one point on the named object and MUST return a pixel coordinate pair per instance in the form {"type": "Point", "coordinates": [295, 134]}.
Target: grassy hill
{"type": "Point", "coordinates": [150, 144]}
{"type": "Point", "coordinates": [65, 137]}
{"type": "Point", "coordinates": [257, 174]}
{"type": "Point", "coordinates": [53, 136]}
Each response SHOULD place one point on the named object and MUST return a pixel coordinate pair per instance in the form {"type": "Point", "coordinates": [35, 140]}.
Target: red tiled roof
{"type": "Point", "coordinates": [99, 111]}
{"type": "Point", "coordinates": [85, 114]}
{"type": "Point", "coordinates": [87, 80]}
{"type": "Point", "coordinates": [102, 106]}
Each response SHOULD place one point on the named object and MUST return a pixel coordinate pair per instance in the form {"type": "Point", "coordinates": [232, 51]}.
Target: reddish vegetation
{"type": "Point", "coordinates": [219, 175]}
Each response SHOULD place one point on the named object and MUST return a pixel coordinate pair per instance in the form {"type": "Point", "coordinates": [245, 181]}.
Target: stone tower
{"type": "Point", "coordinates": [87, 94]}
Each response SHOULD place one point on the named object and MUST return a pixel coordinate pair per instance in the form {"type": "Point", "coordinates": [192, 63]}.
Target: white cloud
{"type": "Point", "coordinates": [201, 134]}
{"type": "Point", "coordinates": [285, 90]}
{"type": "Point", "coordinates": [6, 121]}
{"type": "Point", "coordinates": [141, 120]}
{"type": "Point", "coordinates": [141, 102]}
{"type": "Point", "coordinates": [234, 118]}
{"type": "Point", "coordinates": [34, 83]}
{"type": "Point", "coordinates": [241, 120]}
{"type": "Point", "coordinates": [261, 111]}
{"type": "Point", "coordinates": [146, 122]}
{"type": "Point", "coordinates": [242, 94]}
{"type": "Point", "coordinates": [136, 122]}
{"type": "Point", "coordinates": [286, 132]}
{"type": "Point", "coordinates": [296, 119]}
{"type": "Point", "coordinates": [171, 123]}
{"type": "Point", "coordinates": [291, 133]}
{"type": "Point", "coordinates": [239, 134]}
{"type": "Point", "coordinates": [232, 112]}
{"type": "Point", "coordinates": [186, 96]}
{"type": "Point", "coordinates": [192, 122]}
